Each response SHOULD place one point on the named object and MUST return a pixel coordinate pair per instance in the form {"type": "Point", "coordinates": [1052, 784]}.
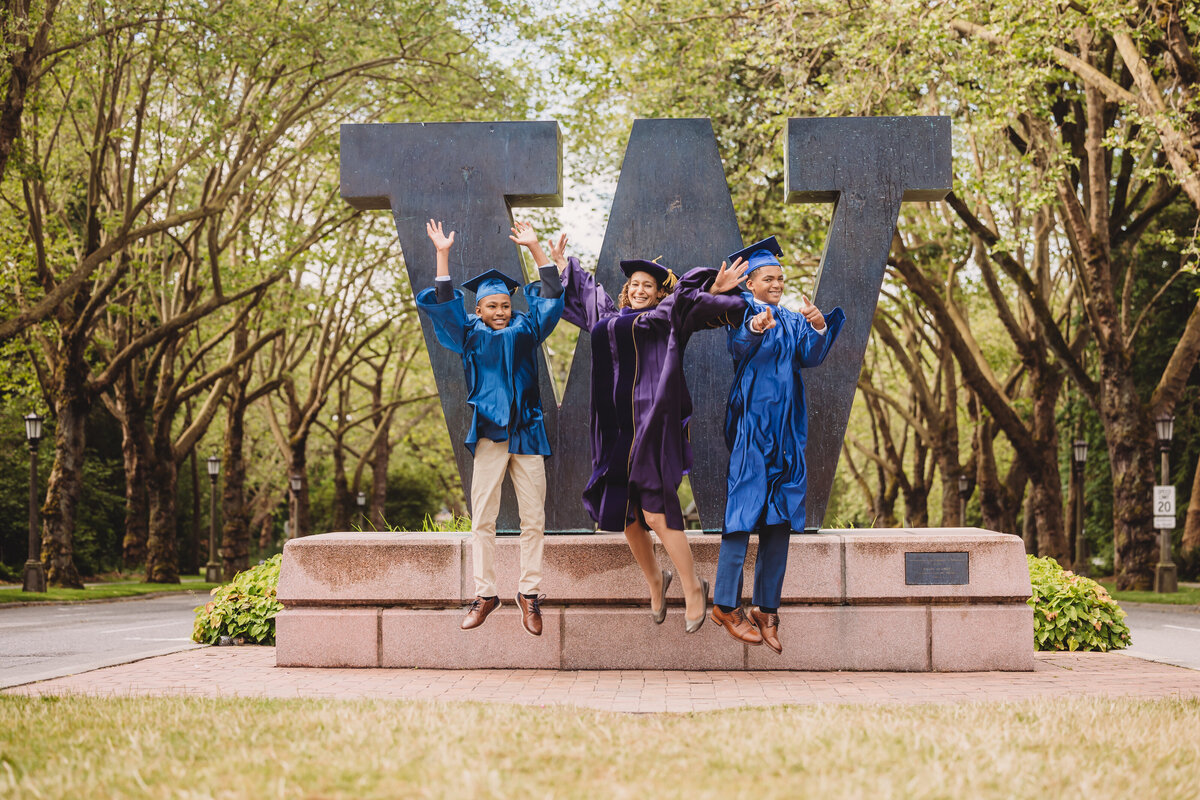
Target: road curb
{"type": "Point", "coordinates": [147, 596]}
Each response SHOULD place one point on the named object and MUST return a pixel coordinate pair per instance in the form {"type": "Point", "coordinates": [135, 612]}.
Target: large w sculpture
{"type": "Point", "coordinates": [671, 200]}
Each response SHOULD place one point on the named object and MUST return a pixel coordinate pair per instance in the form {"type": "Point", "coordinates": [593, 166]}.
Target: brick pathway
{"type": "Point", "coordinates": [251, 672]}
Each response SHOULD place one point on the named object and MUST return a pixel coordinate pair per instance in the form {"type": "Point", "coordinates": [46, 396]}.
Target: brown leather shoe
{"type": "Point", "coordinates": [768, 626]}
{"type": "Point", "coordinates": [531, 613]}
{"type": "Point", "coordinates": [738, 626]}
{"type": "Point", "coordinates": [479, 611]}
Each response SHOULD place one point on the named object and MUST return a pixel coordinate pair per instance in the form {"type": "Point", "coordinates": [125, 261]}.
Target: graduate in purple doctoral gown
{"type": "Point", "coordinates": [641, 406]}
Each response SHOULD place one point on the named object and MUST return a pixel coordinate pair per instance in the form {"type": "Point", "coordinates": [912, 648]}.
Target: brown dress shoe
{"type": "Point", "coordinates": [478, 612]}
{"type": "Point", "coordinates": [768, 626]}
{"type": "Point", "coordinates": [738, 626]}
{"type": "Point", "coordinates": [531, 613]}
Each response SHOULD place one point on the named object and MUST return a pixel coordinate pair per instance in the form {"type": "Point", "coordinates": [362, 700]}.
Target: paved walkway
{"type": "Point", "coordinates": [251, 672]}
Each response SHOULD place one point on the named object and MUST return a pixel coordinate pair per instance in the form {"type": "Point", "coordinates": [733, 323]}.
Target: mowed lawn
{"type": "Point", "coordinates": [230, 748]}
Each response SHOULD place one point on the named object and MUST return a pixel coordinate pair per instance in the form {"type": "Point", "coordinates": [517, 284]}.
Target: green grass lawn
{"type": "Point", "coordinates": [1184, 597]}
{"type": "Point", "coordinates": [231, 748]}
{"type": "Point", "coordinates": [102, 591]}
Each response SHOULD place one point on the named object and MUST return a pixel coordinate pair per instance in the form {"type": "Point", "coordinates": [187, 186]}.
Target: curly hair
{"type": "Point", "coordinates": [623, 299]}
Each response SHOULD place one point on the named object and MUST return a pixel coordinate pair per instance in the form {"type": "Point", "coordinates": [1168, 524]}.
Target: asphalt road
{"type": "Point", "coordinates": [1164, 633]}
{"type": "Point", "coordinates": [38, 642]}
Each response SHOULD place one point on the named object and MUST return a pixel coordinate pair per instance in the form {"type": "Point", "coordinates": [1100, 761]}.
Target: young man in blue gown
{"type": "Point", "coordinates": [507, 436]}
{"type": "Point", "coordinates": [766, 427]}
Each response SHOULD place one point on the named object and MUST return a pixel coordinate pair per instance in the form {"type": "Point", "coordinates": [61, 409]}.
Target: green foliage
{"type": "Point", "coordinates": [243, 608]}
{"type": "Point", "coordinates": [1071, 612]}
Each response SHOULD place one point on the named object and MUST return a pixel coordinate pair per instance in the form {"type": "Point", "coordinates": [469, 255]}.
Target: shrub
{"type": "Point", "coordinates": [244, 608]}
{"type": "Point", "coordinates": [1071, 612]}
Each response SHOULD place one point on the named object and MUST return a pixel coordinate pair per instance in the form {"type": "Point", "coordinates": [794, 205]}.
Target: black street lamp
{"type": "Point", "coordinates": [296, 482]}
{"type": "Point", "coordinates": [1079, 449]}
{"type": "Point", "coordinates": [360, 500]}
{"type": "Point", "coordinates": [34, 578]}
{"type": "Point", "coordinates": [212, 570]}
{"type": "Point", "coordinates": [964, 491]}
{"type": "Point", "coordinates": [1166, 578]}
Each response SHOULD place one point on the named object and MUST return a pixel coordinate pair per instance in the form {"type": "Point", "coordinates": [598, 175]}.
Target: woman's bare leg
{"type": "Point", "coordinates": [680, 552]}
{"type": "Point", "coordinates": [642, 547]}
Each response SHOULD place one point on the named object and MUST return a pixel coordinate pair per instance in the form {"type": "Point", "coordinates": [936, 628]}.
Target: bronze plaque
{"type": "Point", "coordinates": [936, 569]}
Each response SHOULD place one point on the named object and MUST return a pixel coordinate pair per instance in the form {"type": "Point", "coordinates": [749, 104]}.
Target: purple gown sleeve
{"type": "Point", "coordinates": [695, 307]}
{"type": "Point", "coordinates": [584, 301]}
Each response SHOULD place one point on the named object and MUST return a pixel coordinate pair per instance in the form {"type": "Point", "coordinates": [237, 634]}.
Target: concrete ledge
{"type": "Point", "coordinates": [871, 639]}
{"type": "Point", "coordinates": [846, 605]}
{"type": "Point", "coordinates": [965, 637]}
{"type": "Point", "coordinates": [327, 637]}
{"type": "Point", "coordinates": [432, 638]}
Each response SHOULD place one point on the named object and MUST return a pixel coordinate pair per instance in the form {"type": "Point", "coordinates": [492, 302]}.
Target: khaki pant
{"type": "Point", "coordinates": [528, 472]}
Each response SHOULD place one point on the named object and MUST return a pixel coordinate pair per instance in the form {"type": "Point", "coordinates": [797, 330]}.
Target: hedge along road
{"type": "Point", "coordinates": [43, 641]}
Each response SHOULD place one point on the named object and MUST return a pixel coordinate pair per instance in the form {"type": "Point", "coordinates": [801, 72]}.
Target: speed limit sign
{"type": "Point", "coordinates": [1164, 507]}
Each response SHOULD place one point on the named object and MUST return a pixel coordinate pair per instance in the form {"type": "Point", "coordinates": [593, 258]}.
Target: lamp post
{"type": "Point", "coordinates": [295, 482]}
{"type": "Point", "coordinates": [212, 570]}
{"type": "Point", "coordinates": [1166, 579]}
{"type": "Point", "coordinates": [964, 491]}
{"type": "Point", "coordinates": [360, 500]}
{"type": "Point", "coordinates": [34, 578]}
{"type": "Point", "coordinates": [1079, 449]}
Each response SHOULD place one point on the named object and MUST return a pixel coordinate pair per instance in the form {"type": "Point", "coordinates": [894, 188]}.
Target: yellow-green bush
{"type": "Point", "coordinates": [1071, 612]}
{"type": "Point", "coordinates": [244, 608]}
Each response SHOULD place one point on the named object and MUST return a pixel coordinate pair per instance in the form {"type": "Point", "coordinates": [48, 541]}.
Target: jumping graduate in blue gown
{"type": "Point", "coordinates": [766, 427]}
{"type": "Point", "coordinates": [507, 436]}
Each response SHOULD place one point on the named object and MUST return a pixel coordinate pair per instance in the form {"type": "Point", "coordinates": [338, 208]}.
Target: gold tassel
{"type": "Point", "coordinates": [672, 279]}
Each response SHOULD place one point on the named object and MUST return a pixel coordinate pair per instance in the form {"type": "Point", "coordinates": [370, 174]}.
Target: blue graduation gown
{"type": "Point", "coordinates": [500, 366]}
{"type": "Point", "coordinates": [766, 424]}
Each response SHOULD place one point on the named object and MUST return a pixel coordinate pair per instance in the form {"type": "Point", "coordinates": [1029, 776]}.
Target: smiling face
{"type": "Point", "coordinates": [642, 291]}
{"type": "Point", "coordinates": [495, 310]}
{"type": "Point", "coordinates": [766, 284]}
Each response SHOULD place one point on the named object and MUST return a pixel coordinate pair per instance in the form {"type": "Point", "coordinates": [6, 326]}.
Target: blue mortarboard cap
{"type": "Point", "coordinates": [760, 254]}
{"type": "Point", "coordinates": [489, 283]}
{"type": "Point", "coordinates": [660, 273]}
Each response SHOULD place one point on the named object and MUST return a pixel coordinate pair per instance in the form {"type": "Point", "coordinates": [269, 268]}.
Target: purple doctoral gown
{"type": "Point", "coordinates": [640, 401]}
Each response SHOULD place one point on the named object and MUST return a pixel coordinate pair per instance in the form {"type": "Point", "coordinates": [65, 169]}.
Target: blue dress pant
{"type": "Point", "coordinates": [769, 566]}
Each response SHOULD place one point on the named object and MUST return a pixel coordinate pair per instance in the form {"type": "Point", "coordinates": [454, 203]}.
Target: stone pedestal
{"type": "Point", "coordinates": [949, 599]}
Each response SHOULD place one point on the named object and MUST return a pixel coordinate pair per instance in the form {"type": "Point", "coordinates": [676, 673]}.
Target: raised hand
{"type": "Point", "coordinates": [441, 242]}
{"type": "Point", "coordinates": [728, 278]}
{"type": "Point", "coordinates": [524, 234]}
{"type": "Point", "coordinates": [762, 321]}
{"type": "Point", "coordinates": [558, 251]}
{"type": "Point", "coordinates": [811, 313]}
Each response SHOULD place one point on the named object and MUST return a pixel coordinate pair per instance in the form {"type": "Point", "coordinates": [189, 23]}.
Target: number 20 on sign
{"type": "Point", "coordinates": [1164, 507]}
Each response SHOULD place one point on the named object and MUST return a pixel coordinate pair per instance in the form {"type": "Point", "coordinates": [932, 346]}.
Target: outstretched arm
{"type": "Point", "coordinates": [442, 243]}
{"type": "Point", "coordinates": [524, 235]}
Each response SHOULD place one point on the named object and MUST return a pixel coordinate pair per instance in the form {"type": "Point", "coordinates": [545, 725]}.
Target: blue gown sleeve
{"type": "Point", "coordinates": [743, 341]}
{"type": "Point", "coordinates": [544, 312]}
{"type": "Point", "coordinates": [813, 346]}
{"type": "Point", "coordinates": [450, 322]}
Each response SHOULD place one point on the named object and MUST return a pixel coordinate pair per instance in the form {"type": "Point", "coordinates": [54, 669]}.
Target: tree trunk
{"type": "Point", "coordinates": [1028, 529]}
{"type": "Point", "coordinates": [162, 564]}
{"type": "Point", "coordinates": [299, 466]}
{"type": "Point", "coordinates": [1189, 547]}
{"type": "Point", "coordinates": [379, 479]}
{"type": "Point", "coordinates": [1045, 489]}
{"type": "Point", "coordinates": [341, 489]}
{"type": "Point", "coordinates": [71, 406]}
{"type": "Point", "coordinates": [235, 530]}
{"type": "Point", "coordinates": [135, 446]}
{"type": "Point", "coordinates": [1131, 452]}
